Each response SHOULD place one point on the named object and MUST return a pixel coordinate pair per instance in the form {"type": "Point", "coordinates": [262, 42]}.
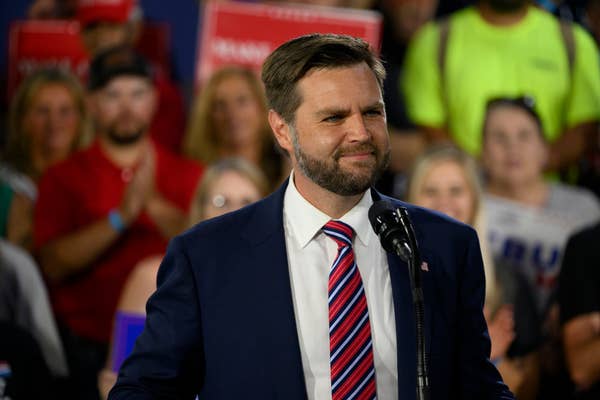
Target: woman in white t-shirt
{"type": "Point", "coordinates": [529, 217]}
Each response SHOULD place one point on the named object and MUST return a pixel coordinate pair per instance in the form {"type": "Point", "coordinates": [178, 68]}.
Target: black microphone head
{"type": "Point", "coordinates": [380, 213]}
{"type": "Point", "coordinates": [387, 225]}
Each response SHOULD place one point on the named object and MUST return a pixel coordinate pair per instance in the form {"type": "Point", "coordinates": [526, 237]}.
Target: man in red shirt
{"type": "Point", "coordinates": [107, 207]}
{"type": "Point", "coordinates": [109, 23]}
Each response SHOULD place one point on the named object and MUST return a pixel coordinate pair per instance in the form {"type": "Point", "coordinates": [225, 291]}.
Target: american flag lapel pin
{"type": "Point", "coordinates": [424, 266]}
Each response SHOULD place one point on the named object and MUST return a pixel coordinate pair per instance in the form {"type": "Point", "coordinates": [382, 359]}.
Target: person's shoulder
{"type": "Point", "coordinates": [543, 16]}
{"type": "Point", "coordinates": [17, 181]}
{"type": "Point", "coordinates": [584, 41]}
{"type": "Point", "coordinates": [238, 223]}
{"type": "Point", "coordinates": [572, 191]}
{"type": "Point", "coordinates": [465, 15]}
{"type": "Point", "coordinates": [426, 40]}
{"type": "Point", "coordinates": [217, 226]}
{"type": "Point", "coordinates": [76, 164]}
{"type": "Point", "coordinates": [179, 175]}
{"type": "Point", "coordinates": [427, 36]}
{"type": "Point", "coordinates": [574, 197]}
{"type": "Point", "coordinates": [463, 19]}
{"type": "Point", "coordinates": [13, 252]}
{"type": "Point", "coordinates": [18, 263]}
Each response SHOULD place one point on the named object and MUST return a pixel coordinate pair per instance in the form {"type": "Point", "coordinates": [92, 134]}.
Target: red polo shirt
{"type": "Point", "coordinates": [168, 125]}
{"type": "Point", "coordinates": [82, 190]}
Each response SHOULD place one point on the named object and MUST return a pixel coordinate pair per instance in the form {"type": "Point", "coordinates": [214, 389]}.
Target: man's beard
{"type": "Point", "coordinates": [126, 137]}
{"type": "Point", "coordinates": [125, 140]}
{"type": "Point", "coordinates": [507, 6]}
{"type": "Point", "coordinates": [329, 174]}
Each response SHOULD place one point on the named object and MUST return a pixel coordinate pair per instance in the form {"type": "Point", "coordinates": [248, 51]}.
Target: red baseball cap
{"type": "Point", "coordinates": [92, 11]}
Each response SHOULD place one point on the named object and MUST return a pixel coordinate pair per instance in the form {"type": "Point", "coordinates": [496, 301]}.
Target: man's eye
{"type": "Point", "coordinates": [332, 118]}
{"type": "Point", "coordinates": [373, 113]}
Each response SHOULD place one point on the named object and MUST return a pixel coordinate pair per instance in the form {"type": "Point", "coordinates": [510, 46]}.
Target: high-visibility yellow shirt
{"type": "Point", "coordinates": [484, 61]}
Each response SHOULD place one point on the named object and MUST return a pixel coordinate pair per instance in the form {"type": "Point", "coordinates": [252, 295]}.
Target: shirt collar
{"type": "Point", "coordinates": [306, 221]}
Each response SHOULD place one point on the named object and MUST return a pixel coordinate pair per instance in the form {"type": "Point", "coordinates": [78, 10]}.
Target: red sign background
{"type": "Point", "coordinates": [246, 33]}
{"type": "Point", "coordinates": [39, 44]}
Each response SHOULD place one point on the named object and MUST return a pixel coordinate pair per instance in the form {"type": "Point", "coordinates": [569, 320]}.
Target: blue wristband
{"type": "Point", "coordinates": [116, 221]}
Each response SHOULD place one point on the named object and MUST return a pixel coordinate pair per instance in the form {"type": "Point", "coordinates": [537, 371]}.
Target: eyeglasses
{"type": "Point", "coordinates": [220, 201]}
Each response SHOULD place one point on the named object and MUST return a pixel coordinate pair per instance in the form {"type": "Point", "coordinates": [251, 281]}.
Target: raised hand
{"type": "Point", "coordinates": [141, 187]}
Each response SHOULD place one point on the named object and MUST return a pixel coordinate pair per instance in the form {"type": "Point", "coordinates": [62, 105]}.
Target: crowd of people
{"type": "Point", "coordinates": [493, 112]}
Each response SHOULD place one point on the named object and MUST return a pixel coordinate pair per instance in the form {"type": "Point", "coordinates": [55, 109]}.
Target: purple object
{"type": "Point", "coordinates": [128, 327]}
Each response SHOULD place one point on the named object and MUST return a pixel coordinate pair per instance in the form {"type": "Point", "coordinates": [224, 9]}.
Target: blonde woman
{"type": "Point", "coordinates": [48, 121]}
{"type": "Point", "coordinates": [447, 180]}
{"type": "Point", "coordinates": [229, 119]}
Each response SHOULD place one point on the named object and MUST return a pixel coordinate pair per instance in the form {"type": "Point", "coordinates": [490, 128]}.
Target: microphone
{"type": "Point", "coordinates": [392, 225]}
{"type": "Point", "coordinates": [388, 223]}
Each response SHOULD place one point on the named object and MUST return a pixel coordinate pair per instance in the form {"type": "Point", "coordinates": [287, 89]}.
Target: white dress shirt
{"type": "Point", "coordinates": [310, 255]}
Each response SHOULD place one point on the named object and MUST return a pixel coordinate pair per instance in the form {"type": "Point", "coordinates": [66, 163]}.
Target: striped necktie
{"type": "Point", "coordinates": [350, 345]}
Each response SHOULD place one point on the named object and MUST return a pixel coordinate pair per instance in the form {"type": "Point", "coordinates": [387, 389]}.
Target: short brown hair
{"type": "Point", "coordinates": [523, 103]}
{"type": "Point", "coordinates": [291, 61]}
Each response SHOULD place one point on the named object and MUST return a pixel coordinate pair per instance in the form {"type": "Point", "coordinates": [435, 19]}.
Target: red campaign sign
{"type": "Point", "coordinates": [39, 44]}
{"type": "Point", "coordinates": [246, 33]}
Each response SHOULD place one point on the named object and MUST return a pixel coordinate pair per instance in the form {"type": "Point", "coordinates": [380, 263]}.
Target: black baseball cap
{"type": "Point", "coordinates": [117, 61]}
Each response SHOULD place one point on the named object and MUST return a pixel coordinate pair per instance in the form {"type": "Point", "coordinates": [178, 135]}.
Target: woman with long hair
{"type": "Point", "coordinates": [47, 122]}
{"type": "Point", "coordinates": [229, 119]}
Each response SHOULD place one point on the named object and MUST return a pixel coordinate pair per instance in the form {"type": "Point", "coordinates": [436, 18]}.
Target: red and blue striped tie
{"type": "Point", "coordinates": [350, 344]}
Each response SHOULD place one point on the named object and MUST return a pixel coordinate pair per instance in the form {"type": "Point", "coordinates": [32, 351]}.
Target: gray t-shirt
{"type": "Point", "coordinates": [531, 240]}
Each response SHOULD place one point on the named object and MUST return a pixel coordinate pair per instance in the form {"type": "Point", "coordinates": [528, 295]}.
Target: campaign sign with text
{"type": "Point", "coordinates": [43, 44]}
{"type": "Point", "coordinates": [246, 33]}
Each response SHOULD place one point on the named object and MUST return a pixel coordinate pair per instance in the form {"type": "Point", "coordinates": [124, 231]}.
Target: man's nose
{"type": "Point", "coordinates": [54, 119]}
{"type": "Point", "coordinates": [127, 103]}
{"type": "Point", "coordinates": [357, 130]}
{"type": "Point", "coordinates": [443, 203]}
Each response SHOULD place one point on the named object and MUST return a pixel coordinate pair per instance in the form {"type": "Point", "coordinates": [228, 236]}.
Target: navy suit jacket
{"type": "Point", "coordinates": [222, 324]}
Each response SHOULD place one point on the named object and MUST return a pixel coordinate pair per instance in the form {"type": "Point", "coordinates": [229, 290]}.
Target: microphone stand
{"type": "Point", "coordinates": [411, 250]}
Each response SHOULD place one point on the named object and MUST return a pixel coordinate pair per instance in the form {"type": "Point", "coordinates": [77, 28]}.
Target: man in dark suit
{"type": "Point", "coordinates": [294, 297]}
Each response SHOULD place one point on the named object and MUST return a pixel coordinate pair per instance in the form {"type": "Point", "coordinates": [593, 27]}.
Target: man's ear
{"type": "Point", "coordinates": [282, 131]}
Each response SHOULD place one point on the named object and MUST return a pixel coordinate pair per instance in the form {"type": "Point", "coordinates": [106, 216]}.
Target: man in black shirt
{"type": "Point", "coordinates": [579, 297]}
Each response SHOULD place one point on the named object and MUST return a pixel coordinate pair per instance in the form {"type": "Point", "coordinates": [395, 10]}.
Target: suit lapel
{"type": "Point", "coordinates": [405, 327]}
{"type": "Point", "coordinates": [405, 322]}
{"type": "Point", "coordinates": [278, 331]}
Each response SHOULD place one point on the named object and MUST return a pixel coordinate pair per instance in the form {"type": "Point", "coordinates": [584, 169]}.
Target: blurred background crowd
{"type": "Point", "coordinates": [493, 108]}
